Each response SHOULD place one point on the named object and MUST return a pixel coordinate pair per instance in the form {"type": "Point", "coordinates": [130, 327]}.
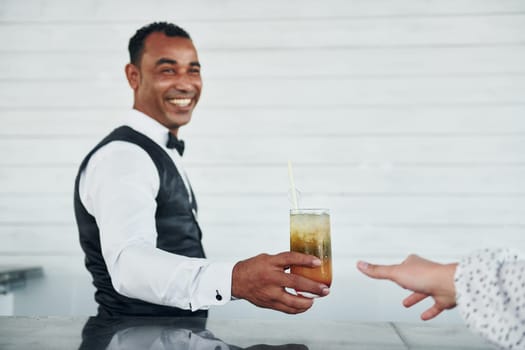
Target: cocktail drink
{"type": "Point", "coordinates": [310, 234]}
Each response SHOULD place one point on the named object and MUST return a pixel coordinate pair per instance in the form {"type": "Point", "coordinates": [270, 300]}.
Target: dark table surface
{"type": "Point", "coordinates": [199, 334]}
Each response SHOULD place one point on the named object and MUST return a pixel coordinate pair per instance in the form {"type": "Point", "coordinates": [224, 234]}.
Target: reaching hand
{"type": "Point", "coordinates": [262, 281]}
{"type": "Point", "coordinates": [423, 277]}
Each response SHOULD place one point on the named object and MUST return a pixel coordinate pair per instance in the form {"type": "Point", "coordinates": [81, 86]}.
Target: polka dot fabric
{"type": "Point", "coordinates": [490, 292]}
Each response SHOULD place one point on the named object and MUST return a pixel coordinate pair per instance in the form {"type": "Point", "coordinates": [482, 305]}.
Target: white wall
{"type": "Point", "coordinates": [404, 117]}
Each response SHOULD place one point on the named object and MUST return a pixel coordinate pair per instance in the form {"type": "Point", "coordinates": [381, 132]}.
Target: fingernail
{"type": "Point", "coordinates": [317, 262]}
{"type": "Point", "coordinates": [325, 290]}
{"type": "Point", "coordinates": [362, 265]}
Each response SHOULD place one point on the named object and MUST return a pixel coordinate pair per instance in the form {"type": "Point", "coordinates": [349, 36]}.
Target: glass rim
{"type": "Point", "coordinates": [318, 211]}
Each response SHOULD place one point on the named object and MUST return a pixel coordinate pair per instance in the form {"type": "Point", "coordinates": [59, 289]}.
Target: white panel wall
{"type": "Point", "coordinates": [405, 118]}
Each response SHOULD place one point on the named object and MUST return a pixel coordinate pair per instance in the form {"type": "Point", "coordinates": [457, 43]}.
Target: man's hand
{"type": "Point", "coordinates": [262, 281]}
{"type": "Point", "coordinates": [423, 277]}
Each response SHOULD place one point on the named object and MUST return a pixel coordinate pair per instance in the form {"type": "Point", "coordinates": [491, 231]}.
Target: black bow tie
{"type": "Point", "coordinates": [174, 142]}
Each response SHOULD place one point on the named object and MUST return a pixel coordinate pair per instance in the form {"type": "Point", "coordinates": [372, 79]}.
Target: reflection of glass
{"type": "Point", "coordinates": [310, 234]}
{"type": "Point", "coordinates": [150, 333]}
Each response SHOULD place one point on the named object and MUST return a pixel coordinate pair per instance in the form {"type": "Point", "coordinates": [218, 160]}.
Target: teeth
{"type": "Point", "coordinates": [181, 102]}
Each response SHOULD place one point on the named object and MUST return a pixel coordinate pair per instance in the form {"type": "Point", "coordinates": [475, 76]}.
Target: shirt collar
{"type": "Point", "coordinates": [148, 126]}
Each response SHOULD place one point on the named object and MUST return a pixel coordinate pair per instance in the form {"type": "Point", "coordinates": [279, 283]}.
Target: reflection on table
{"type": "Point", "coordinates": [158, 334]}
{"type": "Point", "coordinates": [197, 334]}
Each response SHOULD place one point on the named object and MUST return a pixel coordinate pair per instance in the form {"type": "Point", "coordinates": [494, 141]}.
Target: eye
{"type": "Point", "coordinates": [168, 70]}
{"type": "Point", "coordinates": [195, 70]}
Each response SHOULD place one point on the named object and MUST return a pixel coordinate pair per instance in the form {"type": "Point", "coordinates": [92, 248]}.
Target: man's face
{"type": "Point", "coordinates": [168, 84]}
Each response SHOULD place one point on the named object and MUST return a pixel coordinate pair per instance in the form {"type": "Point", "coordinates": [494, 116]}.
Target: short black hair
{"type": "Point", "coordinates": [136, 43]}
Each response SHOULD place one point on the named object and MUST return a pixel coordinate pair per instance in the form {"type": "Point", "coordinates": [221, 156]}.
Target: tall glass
{"type": "Point", "coordinates": [310, 234]}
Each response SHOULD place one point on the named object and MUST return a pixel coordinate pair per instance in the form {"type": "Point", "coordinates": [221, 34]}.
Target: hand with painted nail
{"type": "Point", "coordinates": [423, 277]}
{"type": "Point", "coordinates": [262, 280]}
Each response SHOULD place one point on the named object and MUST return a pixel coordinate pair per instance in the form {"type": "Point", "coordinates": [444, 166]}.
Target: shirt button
{"type": "Point", "coordinates": [218, 296]}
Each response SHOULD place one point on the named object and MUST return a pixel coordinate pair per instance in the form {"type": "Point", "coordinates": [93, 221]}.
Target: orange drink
{"type": "Point", "coordinates": [310, 234]}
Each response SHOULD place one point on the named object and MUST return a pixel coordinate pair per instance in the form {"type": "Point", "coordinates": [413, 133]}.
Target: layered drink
{"type": "Point", "coordinates": [310, 234]}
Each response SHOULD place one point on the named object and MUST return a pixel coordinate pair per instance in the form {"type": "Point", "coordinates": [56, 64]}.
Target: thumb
{"type": "Point", "coordinates": [375, 271]}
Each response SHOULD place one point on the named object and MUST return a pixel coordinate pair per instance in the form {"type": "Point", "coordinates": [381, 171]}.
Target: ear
{"type": "Point", "coordinates": [133, 75]}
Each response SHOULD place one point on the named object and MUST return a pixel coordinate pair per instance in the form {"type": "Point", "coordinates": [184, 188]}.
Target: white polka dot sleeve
{"type": "Point", "coordinates": [490, 293]}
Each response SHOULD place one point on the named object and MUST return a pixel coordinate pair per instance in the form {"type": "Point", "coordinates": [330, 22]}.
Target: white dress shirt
{"type": "Point", "coordinates": [118, 187]}
{"type": "Point", "coordinates": [490, 287]}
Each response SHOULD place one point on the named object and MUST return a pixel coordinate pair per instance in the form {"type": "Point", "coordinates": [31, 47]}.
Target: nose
{"type": "Point", "coordinates": [183, 82]}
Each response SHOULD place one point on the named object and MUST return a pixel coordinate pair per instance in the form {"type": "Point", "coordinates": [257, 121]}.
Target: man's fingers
{"type": "Point", "coordinates": [303, 284]}
{"type": "Point", "coordinates": [431, 313]}
{"type": "Point", "coordinates": [290, 304]}
{"type": "Point", "coordinates": [297, 282]}
{"type": "Point", "coordinates": [296, 302]}
{"type": "Point", "coordinates": [287, 259]}
{"type": "Point", "coordinates": [288, 310]}
{"type": "Point", "coordinates": [413, 299]}
{"type": "Point", "coordinates": [376, 271]}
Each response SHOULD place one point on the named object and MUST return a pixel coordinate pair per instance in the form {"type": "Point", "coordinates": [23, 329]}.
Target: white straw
{"type": "Point", "coordinates": [292, 185]}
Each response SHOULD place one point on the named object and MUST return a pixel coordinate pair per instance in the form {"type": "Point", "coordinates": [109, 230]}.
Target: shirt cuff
{"type": "Point", "coordinates": [214, 286]}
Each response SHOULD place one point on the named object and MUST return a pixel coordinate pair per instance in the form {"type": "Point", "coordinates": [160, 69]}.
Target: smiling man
{"type": "Point", "coordinates": [137, 214]}
{"type": "Point", "coordinates": [166, 79]}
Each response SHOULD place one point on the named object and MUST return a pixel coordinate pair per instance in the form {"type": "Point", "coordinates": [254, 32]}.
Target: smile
{"type": "Point", "coordinates": [180, 102]}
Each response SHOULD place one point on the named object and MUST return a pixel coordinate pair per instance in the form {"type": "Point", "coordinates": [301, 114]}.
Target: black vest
{"type": "Point", "coordinates": [178, 231]}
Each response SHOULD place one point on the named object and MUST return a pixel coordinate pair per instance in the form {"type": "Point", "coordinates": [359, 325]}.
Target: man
{"type": "Point", "coordinates": [136, 211]}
